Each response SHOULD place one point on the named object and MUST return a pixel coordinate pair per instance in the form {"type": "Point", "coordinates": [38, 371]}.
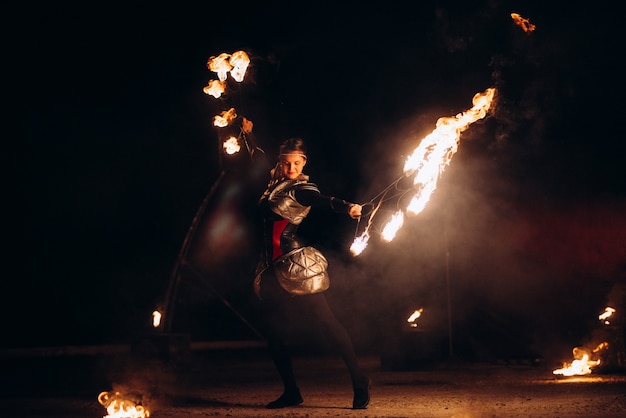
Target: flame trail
{"type": "Point", "coordinates": [427, 162]}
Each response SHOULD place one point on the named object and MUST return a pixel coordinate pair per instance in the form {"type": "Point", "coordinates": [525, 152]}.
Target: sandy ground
{"type": "Point", "coordinates": [238, 383]}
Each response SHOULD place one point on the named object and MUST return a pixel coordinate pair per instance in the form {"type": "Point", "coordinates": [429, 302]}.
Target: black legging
{"type": "Point", "coordinates": [277, 304]}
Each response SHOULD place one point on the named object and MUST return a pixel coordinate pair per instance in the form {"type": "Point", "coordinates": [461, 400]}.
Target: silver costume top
{"type": "Point", "coordinates": [282, 200]}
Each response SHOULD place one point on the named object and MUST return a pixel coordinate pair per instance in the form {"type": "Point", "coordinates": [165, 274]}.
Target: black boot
{"type": "Point", "coordinates": [361, 395]}
{"type": "Point", "coordinates": [288, 398]}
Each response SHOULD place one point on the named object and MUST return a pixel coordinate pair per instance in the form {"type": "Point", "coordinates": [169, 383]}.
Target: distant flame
{"type": "Point", "coordinates": [608, 312]}
{"type": "Point", "coordinates": [156, 319]}
{"type": "Point", "coordinates": [119, 407]}
{"type": "Point", "coordinates": [413, 317]}
{"type": "Point", "coordinates": [522, 22]}
{"type": "Point", "coordinates": [582, 364]}
{"type": "Point", "coordinates": [430, 159]}
{"type": "Point", "coordinates": [231, 146]}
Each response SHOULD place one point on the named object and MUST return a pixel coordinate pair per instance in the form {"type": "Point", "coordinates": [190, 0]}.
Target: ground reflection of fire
{"type": "Point", "coordinates": [119, 406]}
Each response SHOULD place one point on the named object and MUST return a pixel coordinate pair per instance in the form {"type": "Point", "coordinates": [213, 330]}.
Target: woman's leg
{"type": "Point", "coordinates": [317, 305]}
{"type": "Point", "coordinates": [274, 311]}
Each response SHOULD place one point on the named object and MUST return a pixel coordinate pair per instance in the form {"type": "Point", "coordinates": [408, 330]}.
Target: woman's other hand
{"type": "Point", "coordinates": [355, 211]}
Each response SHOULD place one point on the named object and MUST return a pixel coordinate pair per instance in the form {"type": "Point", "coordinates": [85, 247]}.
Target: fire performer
{"type": "Point", "coordinates": [292, 275]}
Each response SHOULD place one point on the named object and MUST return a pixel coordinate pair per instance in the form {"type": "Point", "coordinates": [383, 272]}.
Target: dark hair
{"type": "Point", "coordinates": [292, 145]}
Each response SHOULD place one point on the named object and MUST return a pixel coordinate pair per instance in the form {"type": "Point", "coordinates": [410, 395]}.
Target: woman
{"type": "Point", "coordinates": [292, 275]}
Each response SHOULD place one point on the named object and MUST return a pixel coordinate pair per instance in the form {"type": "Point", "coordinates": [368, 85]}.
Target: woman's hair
{"type": "Point", "coordinates": [291, 146]}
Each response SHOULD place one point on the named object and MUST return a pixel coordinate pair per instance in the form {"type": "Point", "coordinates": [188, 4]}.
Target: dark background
{"type": "Point", "coordinates": [524, 240]}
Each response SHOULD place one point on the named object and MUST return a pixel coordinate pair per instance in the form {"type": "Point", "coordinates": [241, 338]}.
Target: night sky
{"type": "Point", "coordinates": [526, 227]}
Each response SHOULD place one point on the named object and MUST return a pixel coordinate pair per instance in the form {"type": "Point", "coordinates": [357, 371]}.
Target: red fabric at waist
{"type": "Point", "coordinates": [277, 229]}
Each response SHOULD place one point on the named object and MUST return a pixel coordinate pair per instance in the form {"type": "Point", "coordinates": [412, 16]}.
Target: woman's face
{"type": "Point", "coordinates": [291, 164]}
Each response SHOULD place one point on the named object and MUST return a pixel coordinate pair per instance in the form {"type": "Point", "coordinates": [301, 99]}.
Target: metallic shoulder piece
{"type": "Point", "coordinates": [282, 200]}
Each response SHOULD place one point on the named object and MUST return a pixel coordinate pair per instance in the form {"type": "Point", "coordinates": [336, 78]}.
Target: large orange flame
{"type": "Point", "coordinates": [428, 161]}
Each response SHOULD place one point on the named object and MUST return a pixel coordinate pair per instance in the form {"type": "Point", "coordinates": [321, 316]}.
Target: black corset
{"type": "Point", "coordinates": [289, 239]}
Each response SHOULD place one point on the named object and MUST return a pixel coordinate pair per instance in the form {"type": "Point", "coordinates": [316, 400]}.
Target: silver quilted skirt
{"type": "Point", "coordinates": [302, 271]}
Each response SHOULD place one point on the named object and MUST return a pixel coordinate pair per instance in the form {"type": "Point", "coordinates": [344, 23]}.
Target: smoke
{"type": "Point", "coordinates": [521, 275]}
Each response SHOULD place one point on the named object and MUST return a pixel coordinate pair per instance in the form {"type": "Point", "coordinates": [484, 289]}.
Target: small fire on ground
{"type": "Point", "coordinates": [120, 406]}
{"type": "Point", "coordinates": [585, 359]}
{"type": "Point", "coordinates": [583, 362]}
